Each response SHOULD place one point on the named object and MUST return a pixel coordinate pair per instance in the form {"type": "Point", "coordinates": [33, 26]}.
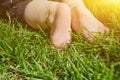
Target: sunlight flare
{"type": "Point", "coordinates": [112, 1]}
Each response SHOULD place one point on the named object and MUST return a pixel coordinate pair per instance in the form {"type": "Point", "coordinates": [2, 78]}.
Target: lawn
{"type": "Point", "coordinates": [26, 54]}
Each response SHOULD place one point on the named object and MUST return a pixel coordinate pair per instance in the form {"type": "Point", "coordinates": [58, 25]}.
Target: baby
{"type": "Point", "coordinates": [62, 16]}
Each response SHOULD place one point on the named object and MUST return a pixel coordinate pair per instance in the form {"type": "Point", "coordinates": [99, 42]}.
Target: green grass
{"type": "Point", "coordinates": [26, 54]}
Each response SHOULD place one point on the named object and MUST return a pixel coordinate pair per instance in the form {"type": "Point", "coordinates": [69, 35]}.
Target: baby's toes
{"type": "Point", "coordinates": [107, 30]}
{"type": "Point", "coordinates": [61, 42]}
{"type": "Point", "coordinates": [104, 29]}
{"type": "Point", "coordinates": [87, 35]}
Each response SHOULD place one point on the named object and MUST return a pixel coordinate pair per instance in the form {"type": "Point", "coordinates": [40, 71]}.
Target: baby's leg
{"type": "Point", "coordinates": [59, 16]}
{"type": "Point", "coordinates": [83, 21]}
{"type": "Point", "coordinates": [60, 32]}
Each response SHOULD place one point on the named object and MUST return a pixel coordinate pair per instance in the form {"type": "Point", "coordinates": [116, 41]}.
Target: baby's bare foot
{"type": "Point", "coordinates": [85, 23]}
{"type": "Point", "coordinates": [61, 38]}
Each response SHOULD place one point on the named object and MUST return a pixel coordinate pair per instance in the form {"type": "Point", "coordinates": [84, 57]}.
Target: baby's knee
{"type": "Point", "coordinates": [64, 8]}
{"type": "Point", "coordinates": [58, 10]}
